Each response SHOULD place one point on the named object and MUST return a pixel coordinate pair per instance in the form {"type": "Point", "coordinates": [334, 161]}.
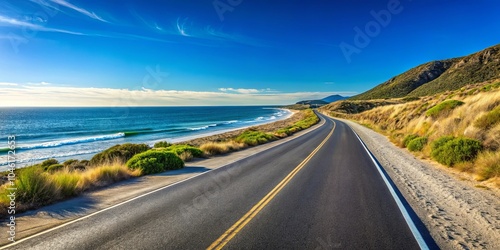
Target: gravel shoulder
{"type": "Point", "coordinates": [457, 214]}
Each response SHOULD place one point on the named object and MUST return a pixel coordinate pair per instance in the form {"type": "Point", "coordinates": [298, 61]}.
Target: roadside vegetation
{"type": "Point", "coordinates": [38, 185]}
{"type": "Point", "coordinates": [50, 181]}
{"type": "Point", "coordinates": [459, 129]}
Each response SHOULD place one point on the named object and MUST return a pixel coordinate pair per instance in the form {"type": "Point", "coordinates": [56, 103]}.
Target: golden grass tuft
{"type": "Point", "coordinates": [487, 165]}
{"type": "Point", "coordinates": [105, 175]}
{"type": "Point", "coordinates": [66, 182]}
{"type": "Point", "coordinates": [186, 156]}
{"type": "Point", "coordinates": [217, 148]}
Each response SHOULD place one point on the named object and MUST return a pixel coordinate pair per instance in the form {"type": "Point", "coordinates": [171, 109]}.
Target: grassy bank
{"type": "Point", "coordinates": [37, 187]}
{"type": "Point", "coordinates": [459, 129]}
{"type": "Point", "coordinates": [254, 136]}
{"type": "Point", "coordinates": [52, 181]}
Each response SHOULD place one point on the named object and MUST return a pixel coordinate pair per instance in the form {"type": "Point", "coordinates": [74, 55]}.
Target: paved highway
{"type": "Point", "coordinates": [322, 190]}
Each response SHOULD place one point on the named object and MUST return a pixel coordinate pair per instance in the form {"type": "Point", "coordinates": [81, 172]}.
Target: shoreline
{"type": "Point", "coordinates": [185, 139]}
{"type": "Point", "coordinates": [218, 137]}
{"type": "Point", "coordinates": [179, 140]}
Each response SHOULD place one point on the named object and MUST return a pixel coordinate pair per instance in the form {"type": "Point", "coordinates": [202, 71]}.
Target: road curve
{"type": "Point", "coordinates": [321, 190]}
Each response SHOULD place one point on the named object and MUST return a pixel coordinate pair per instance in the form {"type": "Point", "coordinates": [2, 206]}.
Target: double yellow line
{"type": "Point", "coordinates": [241, 223]}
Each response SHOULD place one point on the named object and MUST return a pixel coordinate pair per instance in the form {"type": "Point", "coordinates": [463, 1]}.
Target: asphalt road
{"type": "Point", "coordinates": [319, 191]}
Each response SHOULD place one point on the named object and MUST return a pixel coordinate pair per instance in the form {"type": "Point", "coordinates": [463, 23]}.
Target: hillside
{"type": "Point", "coordinates": [324, 101]}
{"type": "Point", "coordinates": [459, 129]}
{"type": "Point", "coordinates": [312, 102]}
{"type": "Point", "coordinates": [438, 76]}
{"type": "Point", "coordinates": [333, 98]}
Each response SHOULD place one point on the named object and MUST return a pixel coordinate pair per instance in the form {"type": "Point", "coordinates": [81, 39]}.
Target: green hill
{"type": "Point", "coordinates": [312, 102]}
{"type": "Point", "coordinates": [438, 76]}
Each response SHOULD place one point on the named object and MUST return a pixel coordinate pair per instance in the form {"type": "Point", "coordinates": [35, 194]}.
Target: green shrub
{"type": "Point", "coordinates": [85, 162]}
{"type": "Point", "coordinates": [252, 137]}
{"type": "Point", "coordinates": [80, 165]}
{"type": "Point", "coordinates": [70, 162]}
{"type": "Point", "coordinates": [451, 151]}
{"type": "Point", "coordinates": [489, 119]}
{"type": "Point", "coordinates": [440, 142]}
{"type": "Point", "coordinates": [443, 107]}
{"type": "Point", "coordinates": [411, 98]}
{"type": "Point", "coordinates": [417, 144]}
{"type": "Point", "coordinates": [47, 163]}
{"type": "Point", "coordinates": [309, 120]}
{"type": "Point", "coordinates": [34, 187]}
{"type": "Point", "coordinates": [162, 144]}
{"type": "Point", "coordinates": [121, 153]}
{"type": "Point", "coordinates": [408, 138]}
{"type": "Point", "coordinates": [155, 161]}
{"type": "Point", "coordinates": [183, 148]}
{"type": "Point", "coordinates": [55, 167]}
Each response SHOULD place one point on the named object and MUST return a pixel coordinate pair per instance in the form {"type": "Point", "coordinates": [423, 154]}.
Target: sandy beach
{"type": "Point", "coordinates": [268, 127]}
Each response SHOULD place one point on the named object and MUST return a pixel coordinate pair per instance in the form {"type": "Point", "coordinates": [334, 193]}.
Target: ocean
{"type": "Point", "coordinates": [79, 133]}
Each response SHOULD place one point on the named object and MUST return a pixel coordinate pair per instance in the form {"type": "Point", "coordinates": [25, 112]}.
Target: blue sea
{"type": "Point", "coordinates": [79, 133]}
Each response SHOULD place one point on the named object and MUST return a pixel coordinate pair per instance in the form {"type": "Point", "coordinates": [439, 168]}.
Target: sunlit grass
{"type": "Point", "coordinates": [36, 187]}
{"type": "Point", "coordinates": [473, 113]}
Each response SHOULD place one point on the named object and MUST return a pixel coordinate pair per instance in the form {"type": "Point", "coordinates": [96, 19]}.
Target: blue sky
{"type": "Point", "coordinates": [224, 52]}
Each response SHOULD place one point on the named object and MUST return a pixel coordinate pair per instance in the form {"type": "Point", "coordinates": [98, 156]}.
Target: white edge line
{"type": "Point", "coordinates": [151, 192]}
{"type": "Point", "coordinates": [416, 233]}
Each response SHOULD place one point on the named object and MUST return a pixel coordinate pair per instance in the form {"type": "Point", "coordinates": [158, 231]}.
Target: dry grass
{"type": "Point", "coordinates": [37, 187]}
{"type": "Point", "coordinates": [402, 119]}
{"type": "Point", "coordinates": [488, 165]}
{"type": "Point", "coordinates": [406, 119]}
{"type": "Point", "coordinates": [105, 175]}
{"type": "Point", "coordinates": [186, 156]}
{"type": "Point", "coordinates": [217, 148]}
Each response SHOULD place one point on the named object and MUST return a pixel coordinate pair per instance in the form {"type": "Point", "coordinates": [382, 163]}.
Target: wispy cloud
{"type": "Point", "coordinates": [12, 22]}
{"type": "Point", "coordinates": [186, 28]}
{"type": "Point", "coordinates": [8, 84]}
{"type": "Point", "coordinates": [152, 25]}
{"type": "Point", "coordinates": [247, 91]}
{"type": "Point", "coordinates": [241, 91]}
{"type": "Point", "coordinates": [79, 10]}
{"type": "Point", "coordinates": [72, 96]}
{"type": "Point", "coordinates": [181, 27]}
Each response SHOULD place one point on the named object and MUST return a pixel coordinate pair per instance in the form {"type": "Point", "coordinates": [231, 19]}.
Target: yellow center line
{"type": "Point", "coordinates": [241, 223]}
